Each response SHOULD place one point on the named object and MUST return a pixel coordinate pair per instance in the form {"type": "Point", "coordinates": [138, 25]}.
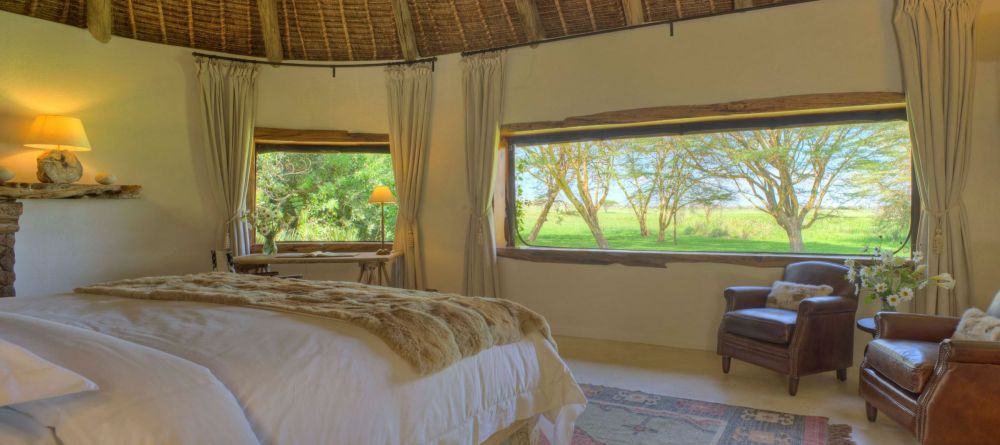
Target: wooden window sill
{"type": "Point", "coordinates": [662, 259]}
{"type": "Point", "coordinates": [325, 246]}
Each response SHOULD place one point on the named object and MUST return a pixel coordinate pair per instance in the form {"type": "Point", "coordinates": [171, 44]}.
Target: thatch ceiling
{"type": "Point", "coordinates": [362, 29]}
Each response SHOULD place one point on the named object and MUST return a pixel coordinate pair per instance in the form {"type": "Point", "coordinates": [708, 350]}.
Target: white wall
{"type": "Point", "coordinates": [139, 105]}
{"type": "Point", "coordinates": [818, 47]}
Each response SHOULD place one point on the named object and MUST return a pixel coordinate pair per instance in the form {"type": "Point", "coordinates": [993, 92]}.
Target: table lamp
{"type": "Point", "coordinates": [59, 136]}
{"type": "Point", "coordinates": [382, 196]}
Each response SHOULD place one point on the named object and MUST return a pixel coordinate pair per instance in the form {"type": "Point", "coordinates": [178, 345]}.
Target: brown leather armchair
{"type": "Point", "coordinates": [944, 391]}
{"type": "Point", "coordinates": [817, 338]}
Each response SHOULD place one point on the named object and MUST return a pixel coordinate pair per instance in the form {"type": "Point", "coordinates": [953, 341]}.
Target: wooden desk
{"type": "Point", "coordinates": [372, 267]}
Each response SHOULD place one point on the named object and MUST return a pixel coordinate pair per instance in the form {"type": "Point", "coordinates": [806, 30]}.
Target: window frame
{"type": "Point", "coordinates": [680, 126]}
{"type": "Point", "coordinates": [312, 141]}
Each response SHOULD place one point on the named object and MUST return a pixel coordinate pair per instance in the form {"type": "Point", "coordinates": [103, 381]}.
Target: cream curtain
{"type": "Point", "coordinates": [936, 49]}
{"type": "Point", "coordinates": [229, 105]}
{"type": "Point", "coordinates": [483, 83]}
{"type": "Point", "coordinates": [409, 88]}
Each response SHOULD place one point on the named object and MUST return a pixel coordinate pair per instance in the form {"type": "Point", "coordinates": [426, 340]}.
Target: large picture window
{"type": "Point", "coordinates": [818, 184]}
{"type": "Point", "coordinates": [323, 190]}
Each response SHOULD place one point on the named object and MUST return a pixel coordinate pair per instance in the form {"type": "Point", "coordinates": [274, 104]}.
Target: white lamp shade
{"type": "Point", "coordinates": [381, 194]}
{"type": "Point", "coordinates": [57, 133]}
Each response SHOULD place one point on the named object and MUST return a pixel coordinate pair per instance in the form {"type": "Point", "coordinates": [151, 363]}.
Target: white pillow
{"type": "Point", "coordinates": [977, 326]}
{"type": "Point", "coordinates": [25, 377]}
{"type": "Point", "coordinates": [787, 295]}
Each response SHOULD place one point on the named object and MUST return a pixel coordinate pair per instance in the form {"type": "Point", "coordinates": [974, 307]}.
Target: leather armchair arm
{"type": "Point", "coordinates": [746, 297]}
{"type": "Point", "coordinates": [918, 327]}
{"type": "Point", "coordinates": [826, 305]}
{"type": "Point", "coordinates": [975, 352]}
{"type": "Point", "coordinates": [963, 391]}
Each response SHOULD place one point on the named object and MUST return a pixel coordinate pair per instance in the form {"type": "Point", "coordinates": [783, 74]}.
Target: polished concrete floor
{"type": "Point", "coordinates": [698, 375]}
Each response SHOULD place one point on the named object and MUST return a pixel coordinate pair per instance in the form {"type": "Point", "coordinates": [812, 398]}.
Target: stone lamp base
{"type": "Point", "coordinates": [59, 167]}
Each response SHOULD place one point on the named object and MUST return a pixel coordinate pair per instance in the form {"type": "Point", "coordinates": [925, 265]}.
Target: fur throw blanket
{"type": "Point", "coordinates": [429, 330]}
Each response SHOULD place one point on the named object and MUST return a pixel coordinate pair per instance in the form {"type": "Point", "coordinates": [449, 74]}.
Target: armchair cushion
{"type": "Point", "coordinates": [786, 295]}
{"type": "Point", "coordinates": [909, 364]}
{"type": "Point", "coordinates": [977, 326]}
{"type": "Point", "coordinates": [764, 324]}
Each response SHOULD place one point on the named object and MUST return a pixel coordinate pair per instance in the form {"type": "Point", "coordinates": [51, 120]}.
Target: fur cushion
{"type": "Point", "coordinates": [977, 326]}
{"type": "Point", "coordinates": [429, 330]}
{"type": "Point", "coordinates": [787, 295]}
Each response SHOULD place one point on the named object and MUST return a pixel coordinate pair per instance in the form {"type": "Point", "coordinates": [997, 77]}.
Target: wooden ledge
{"type": "Point", "coordinates": [661, 259]}
{"type": "Point", "coordinates": [40, 190]}
{"type": "Point", "coordinates": [324, 246]}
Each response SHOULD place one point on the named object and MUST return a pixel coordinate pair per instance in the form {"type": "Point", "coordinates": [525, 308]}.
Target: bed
{"type": "Point", "coordinates": [287, 378]}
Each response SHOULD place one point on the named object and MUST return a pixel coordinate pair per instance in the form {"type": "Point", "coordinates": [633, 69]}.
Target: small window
{"type": "Point", "coordinates": [323, 190]}
{"type": "Point", "coordinates": [836, 184]}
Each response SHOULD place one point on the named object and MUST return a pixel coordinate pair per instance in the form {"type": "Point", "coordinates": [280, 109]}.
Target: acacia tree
{"type": "Point", "coordinates": [635, 176]}
{"type": "Point", "coordinates": [586, 180]}
{"type": "Point", "coordinates": [789, 173]}
{"type": "Point", "coordinates": [677, 184]}
{"type": "Point", "coordinates": [533, 163]}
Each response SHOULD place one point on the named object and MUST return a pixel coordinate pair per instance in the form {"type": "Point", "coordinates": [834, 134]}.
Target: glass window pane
{"type": "Point", "coordinates": [324, 196]}
{"type": "Point", "coordinates": [828, 189]}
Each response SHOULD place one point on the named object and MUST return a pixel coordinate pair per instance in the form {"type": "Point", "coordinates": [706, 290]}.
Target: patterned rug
{"type": "Point", "coordinates": [621, 417]}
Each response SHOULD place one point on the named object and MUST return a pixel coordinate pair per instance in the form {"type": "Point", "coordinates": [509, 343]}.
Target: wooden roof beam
{"type": "Point", "coordinates": [404, 29]}
{"type": "Point", "coordinates": [742, 4]}
{"type": "Point", "coordinates": [633, 12]}
{"type": "Point", "coordinates": [531, 20]}
{"type": "Point", "coordinates": [100, 19]}
{"type": "Point", "coordinates": [270, 29]}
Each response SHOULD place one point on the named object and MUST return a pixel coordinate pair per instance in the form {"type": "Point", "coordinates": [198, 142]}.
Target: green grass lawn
{"type": "Point", "coordinates": [721, 230]}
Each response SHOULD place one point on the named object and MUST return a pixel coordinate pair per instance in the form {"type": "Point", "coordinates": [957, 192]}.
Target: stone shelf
{"type": "Point", "coordinates": [10, 191]}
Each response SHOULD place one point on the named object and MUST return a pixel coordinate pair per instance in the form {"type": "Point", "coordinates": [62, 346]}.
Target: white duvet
{"type": "Point", "coordinates": [310, 380]}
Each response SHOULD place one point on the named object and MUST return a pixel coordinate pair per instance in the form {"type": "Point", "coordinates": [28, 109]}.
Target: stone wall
{"type": "Point", "coordinates": [10, 212]}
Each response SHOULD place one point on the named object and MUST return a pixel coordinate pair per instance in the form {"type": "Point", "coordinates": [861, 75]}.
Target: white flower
{"type": "Point", "coordinates": [893, 300]}
{"type": "Point", "coordinates": [920, 269]}
{"type": "Point", "coordinates": [852, 275]}
{"type": "Point", "coordinates": [906, 294]}
{"type": "Point", "coordinates": [918, 256]}
{"type": "Point", "coordinates": [944, 280]}
{"type": "Point", "coordinates": [886, 257]}
{"type": "Point", "coordinates": [881, 287]}
{"type": "Point", "coordinates": [849, 263]}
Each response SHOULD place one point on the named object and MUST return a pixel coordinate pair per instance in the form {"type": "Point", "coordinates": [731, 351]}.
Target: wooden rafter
{"type": "Point", "coordinates": [100, 21]}
{"type": "Point", "coordinates": [531, 20]}
{"type": "Point", "coordinates": [404, 28]}
{"type": "Point", "coordinates": [633, 12]}
{"type": "Point", "coordinates": [268, 12]}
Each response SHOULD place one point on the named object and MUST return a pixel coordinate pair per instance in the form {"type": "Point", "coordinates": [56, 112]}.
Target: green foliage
{"type": "Point", "coordinates": [324, 196]}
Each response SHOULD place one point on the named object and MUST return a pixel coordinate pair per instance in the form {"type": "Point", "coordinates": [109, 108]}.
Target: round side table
{"type": "Point", "coordinates": [867, 325]}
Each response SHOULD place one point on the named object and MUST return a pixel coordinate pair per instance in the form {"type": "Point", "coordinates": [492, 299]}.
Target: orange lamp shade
{"type": "Point", "coordinates": [382, 195]}
{"type": "Point", "coordinates": [57, 133]}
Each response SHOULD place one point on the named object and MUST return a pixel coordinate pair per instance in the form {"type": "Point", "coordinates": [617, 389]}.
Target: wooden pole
{"type": "Point", "coordinates": [268, 11]}
{"type": "Point", "coordinates": [404, 29]}
{"type": "Point", "coordinates": [99, 19]}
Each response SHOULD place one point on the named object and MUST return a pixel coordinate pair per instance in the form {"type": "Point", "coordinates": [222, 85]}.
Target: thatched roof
{"type": "Point", "coordinates": [365, 29]}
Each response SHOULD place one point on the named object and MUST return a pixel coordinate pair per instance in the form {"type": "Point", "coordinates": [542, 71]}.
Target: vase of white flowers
{"type": "Point", "coordinates": [268, 222]}
{"type": "Point", "coordinates": [893, 280]}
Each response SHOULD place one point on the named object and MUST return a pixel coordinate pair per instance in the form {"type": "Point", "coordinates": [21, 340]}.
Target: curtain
{"type": "Point", "coordinates": [409, 90]}
{"type": "Point", "coordinates": [936, 50]}
{"type": "Point", "coordinates": [229, 105]}
{"type": "Point", "coordinates": [483, 84]}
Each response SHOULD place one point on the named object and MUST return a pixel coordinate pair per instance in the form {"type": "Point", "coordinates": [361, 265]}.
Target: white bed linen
{"type": "Point", "coordinates": [145, 396]}
{"type": "Point", "coordinates": [308, 380]}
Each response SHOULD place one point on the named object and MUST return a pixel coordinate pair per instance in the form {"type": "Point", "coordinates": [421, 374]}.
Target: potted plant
{"type": "Point", "coordinates": [894, 280]}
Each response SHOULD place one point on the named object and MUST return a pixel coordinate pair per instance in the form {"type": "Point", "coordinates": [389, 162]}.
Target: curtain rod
{"type": "Point", "coordinates": [328, 66]}
{"type": "Point", "coordinates": [629, 28]}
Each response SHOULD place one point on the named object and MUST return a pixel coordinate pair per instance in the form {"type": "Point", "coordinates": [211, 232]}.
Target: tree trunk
{"type": "Point", "coordinates": [595, 229]}
{"type": "Point", "coordinates": [643, 226]}
{"type": "Point", "coordinates": [661, 234]}
{"type": "Point", "coordinates": [542, 217]}
{"type": "Point", "coordinates": [794, 231]}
